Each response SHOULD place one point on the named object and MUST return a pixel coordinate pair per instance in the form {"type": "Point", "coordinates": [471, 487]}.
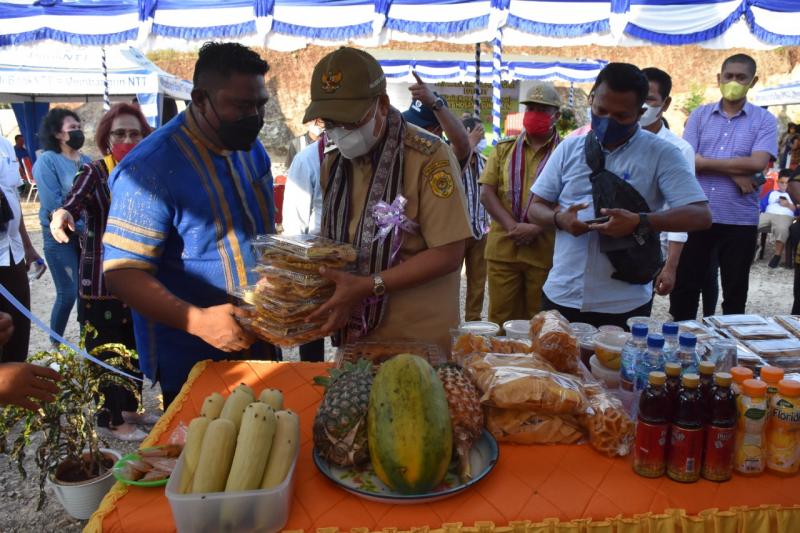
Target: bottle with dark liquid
{"type": "Point", "coordinates": [686, 433]}
{"type": "Point", "coordinates": [673, 387]}
{"type": "Point", "coordinates": [652, 426]}
{"type": "Point", "coordinates": [706, 369]}
{"type": "Point", "coordinates": [721, 430]}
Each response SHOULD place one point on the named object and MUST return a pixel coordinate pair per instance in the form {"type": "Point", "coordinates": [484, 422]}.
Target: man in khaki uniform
{"type": "Point", "coordinates": [394, 191]}
{"type": "Point", "coordinates": [519, 254]}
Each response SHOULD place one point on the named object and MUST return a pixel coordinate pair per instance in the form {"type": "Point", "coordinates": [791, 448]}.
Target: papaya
{"type": "Point", "coordinates": [408, 424]}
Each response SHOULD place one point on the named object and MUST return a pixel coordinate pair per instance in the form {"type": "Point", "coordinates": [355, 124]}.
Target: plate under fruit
{"type": "Point", "coordinates": [119, 465]}
{"type": "Point", "coordinates": [363, 482]}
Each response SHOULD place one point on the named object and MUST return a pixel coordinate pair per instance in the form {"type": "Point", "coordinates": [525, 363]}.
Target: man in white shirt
{"type": "Point", "coordinates": [16, 255]}
{"type": "Point", "coordinates": [778, 216]}
{"type": "Point", "coordinates": [652, 120]}
{"type": "Point", "coordinates": [302, 200]}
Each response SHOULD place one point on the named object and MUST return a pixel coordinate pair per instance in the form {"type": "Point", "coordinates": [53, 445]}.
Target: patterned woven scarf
{"type": "Point", "coordinates": [373, 255]}
{"type": "Point", "coordinates": [516, 173]}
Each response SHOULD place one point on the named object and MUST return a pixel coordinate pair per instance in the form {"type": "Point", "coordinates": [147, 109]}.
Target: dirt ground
{"type": "Point", "coordinates": [770, 294]}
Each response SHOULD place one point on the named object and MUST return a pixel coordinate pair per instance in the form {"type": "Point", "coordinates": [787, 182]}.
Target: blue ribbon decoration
{"type": "Point", "coordinates": [41, 325]}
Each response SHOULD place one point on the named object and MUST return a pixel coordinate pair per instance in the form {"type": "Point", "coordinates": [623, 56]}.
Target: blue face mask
{"type": "Point", "coordinates": [609, 131]}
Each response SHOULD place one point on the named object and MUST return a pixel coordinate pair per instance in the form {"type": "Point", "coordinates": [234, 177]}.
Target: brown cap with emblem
{"type": "Point", "coordinates": [344, 85]}
{"type": "Point", "coordinates": [542, 93]}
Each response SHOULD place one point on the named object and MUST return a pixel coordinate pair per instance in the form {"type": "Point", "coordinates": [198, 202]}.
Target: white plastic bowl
{"type": "Point", "coordinates": [610, 378]}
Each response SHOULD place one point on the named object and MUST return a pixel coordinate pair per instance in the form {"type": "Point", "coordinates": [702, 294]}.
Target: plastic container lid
{"type": "Point", "coordinates": [582, 328]}
{"type": "Point", "coordinates": [610, 327]}
{"type": "Point", "coordinates": [771, 374]}
{"type": "Point", "coordinates": [670, 328]}
{"type": "Point", "coordinates": [639, 330]}
{"type": "Point", "coordinates": [517, 328]}
{"type": "Point", "coordinates": [655, 340]}
{"type": "Point", "coordinates": [657, 378]}
{"type": "Point", "coordinates": [689, 340]}
{"type": "Point", "coordinates": [789, 387]}
{"type": "Point", "coordinates": [489, 329]}
{"type": "Point", "coordinates": [723, 379]}
{"type": "Point", "coordinates": [672, 369]}
{"type": "Point", "coordinates": [741, 373]}
{"type": "Point", "coordinates": [754, 387]}
{"type": "Point", "coordinates": [707, 367]}
{"type": "Point", "coordinates": [612, 341]}
{"type": "Point", "coordinates": [690, 380]}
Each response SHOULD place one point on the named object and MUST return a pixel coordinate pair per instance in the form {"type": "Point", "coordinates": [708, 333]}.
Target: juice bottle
{"type": "Point", "coordinates": [740, 373]}
{"type": "Point", "coordinates": [771, 375]}
{"type": "Point", "coordinates": [721, 430]}
{"type": "Point", "coordinates": [686, 434]}
{"type": "Point", "coordinates": [649, 453]}
{"type": "Point", "coordinates": [752, 414]}
{"type": "Point", "coordinates": [783, 429]}
{"type": "Point", "coordinates": [673, 387]}
{"type": "Point", "coordinates": [706, 384]}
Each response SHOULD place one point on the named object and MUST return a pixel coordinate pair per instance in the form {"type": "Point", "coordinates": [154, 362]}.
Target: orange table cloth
{"type": "Point", "coordinates": [531, 489]}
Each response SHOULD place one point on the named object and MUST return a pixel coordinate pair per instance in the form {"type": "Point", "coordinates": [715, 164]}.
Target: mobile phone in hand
{"type": "Point", "coordinates": [599, 220]}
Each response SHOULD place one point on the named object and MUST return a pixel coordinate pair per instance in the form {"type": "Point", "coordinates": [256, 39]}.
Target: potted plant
{"type": "Point", "coordinates": [69, 455]}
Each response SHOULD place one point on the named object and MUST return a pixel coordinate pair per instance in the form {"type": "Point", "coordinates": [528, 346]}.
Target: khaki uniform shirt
{"type": "Point", "coordinates": [436, 201]}
{"type": "Point", "coordinates": [498, 246]}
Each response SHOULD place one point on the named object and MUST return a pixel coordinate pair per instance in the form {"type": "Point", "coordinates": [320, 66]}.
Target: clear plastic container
{"type": "Point", "coordinates": [265, 510]}
{"type": "Point", "coordinates": [380, 351]}
{"type": "Point", "coordinates": [610, 378]}
{"type": "Point", "coordinates": [277, 274]}
{"type": "Point", "coordinates": [608, 348]}
{"type": "Point", "coordinates": [517, 329]}
{"type": "Point", "coordinates": [307, 246]}
{"type": "Point", "coordinates": [485, 328]}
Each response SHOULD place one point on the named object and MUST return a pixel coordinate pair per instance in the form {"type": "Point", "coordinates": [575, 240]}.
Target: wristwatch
{"type": "Point", "coordinates": [378, 286]}
{"type": "Point", "coordinates": [642, 229]}
{"type": "Point", "coordinates": [438, 103]}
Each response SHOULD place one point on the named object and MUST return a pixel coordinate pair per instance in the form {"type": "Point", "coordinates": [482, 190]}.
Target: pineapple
{"type": "Point", "coordinates": [340, 427]}
{"type": "Point", "coordinates": [465, 413]}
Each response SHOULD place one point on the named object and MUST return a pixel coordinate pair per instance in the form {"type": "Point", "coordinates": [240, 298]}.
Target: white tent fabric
{"type": "Point", "coordinates": [69, 73]}
{"type": "Point", "coordinates": [787, 94]}
{"type": "Point", "coordinates": [293, 24]}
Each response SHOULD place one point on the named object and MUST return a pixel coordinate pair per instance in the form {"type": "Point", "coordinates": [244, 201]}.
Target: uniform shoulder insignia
{"type": "Point", "coordinates": [421, 141]}
{"type": "Point", "coordinates": [507, 140]}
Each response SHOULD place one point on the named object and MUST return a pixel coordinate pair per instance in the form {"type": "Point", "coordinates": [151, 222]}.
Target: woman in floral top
{"type": "Point", "coordinates": [117, 133]}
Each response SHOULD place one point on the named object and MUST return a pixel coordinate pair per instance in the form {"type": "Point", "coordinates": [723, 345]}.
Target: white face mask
{"type": "Point", "coordinates": [650, 115]}
{"type": "Point", "coordinates": [315, 130]}
{"type": "Point", "coordinates": [355, 143]}
{"type": "Point", "coordinates": [481, 146]}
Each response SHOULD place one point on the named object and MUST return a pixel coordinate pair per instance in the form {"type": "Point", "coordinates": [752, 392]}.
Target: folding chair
{"type": "Point", "coordinates": [32, 188]}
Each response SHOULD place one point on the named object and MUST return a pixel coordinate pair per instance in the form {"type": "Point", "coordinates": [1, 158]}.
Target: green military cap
{"type": "Point", "coordinates": [542, 93]}
{"type": "Point", "coordinates": [344, 85]}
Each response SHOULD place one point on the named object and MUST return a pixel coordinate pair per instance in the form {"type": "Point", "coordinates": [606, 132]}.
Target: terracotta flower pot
{"type": "Point", "coordinates": [81, 498]}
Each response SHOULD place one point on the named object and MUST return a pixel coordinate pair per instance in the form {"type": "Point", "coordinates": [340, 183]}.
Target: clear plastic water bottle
{"type": "Point", "coordinates": [36, 270]}
{"type": "Point", "coordinates": [631, 351]}
{"type": "Point", "coordinates": [652, 360]}
{"type": "Point", "coordinates": [670, 332]}
{"type": "Point", "coordinates": [687, 353]}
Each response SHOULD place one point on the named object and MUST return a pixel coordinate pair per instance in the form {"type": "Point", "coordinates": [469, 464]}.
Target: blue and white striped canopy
{"type": "Point", "coordinates": [292, 24]}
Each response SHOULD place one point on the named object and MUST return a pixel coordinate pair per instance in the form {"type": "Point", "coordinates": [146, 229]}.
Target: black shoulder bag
{"type": "Point", "coordinates": [636, 258]}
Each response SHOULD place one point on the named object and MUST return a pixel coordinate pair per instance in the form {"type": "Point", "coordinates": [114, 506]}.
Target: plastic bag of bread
{"type": "Point", "coordinates": [523, 426]}
{"type": "Point", "coordinates": [526, 382]}
{"type": "Point", "coordinates": [466, 344]}
{"type": "Point", "coordinates": [552, 338]}
{"type": "Point", "coordinates": [610, 429]}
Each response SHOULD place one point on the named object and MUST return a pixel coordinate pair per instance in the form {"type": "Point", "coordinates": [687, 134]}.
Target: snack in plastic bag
{"type": "Point", "coordinates": [523, 426]}
{"type": "Point", "coordinates": [526, 382]}
{"type": "Point", "coordinates": [611, 431]}
{"type": "Point", "coordinates": [552, 338]}
{"type": "Point", "coordinates": [466, 344]}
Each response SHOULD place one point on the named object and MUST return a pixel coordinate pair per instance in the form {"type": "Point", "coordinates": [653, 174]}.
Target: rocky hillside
{"type": "Point", "coordinates": [693, 70]}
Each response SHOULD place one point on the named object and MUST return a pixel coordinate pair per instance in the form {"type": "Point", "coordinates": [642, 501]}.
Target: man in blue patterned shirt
{"type": "Point", "coordinates": [185, 206]}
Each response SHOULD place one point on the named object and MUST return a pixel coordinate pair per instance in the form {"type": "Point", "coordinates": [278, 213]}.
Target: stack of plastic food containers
{"type": "Point", "coordinates": [290, 287]}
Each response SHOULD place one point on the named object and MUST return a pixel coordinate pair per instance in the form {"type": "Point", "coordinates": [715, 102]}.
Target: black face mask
{"type": "Point", "coordinates": [76, 139]}
{"type": "Point", "coordinates": [237, 134]}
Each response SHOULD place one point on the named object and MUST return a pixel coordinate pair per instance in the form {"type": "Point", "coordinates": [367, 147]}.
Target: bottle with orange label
{"type": "Point", "coordinates": [771, 375]}
{"type": "Point", "coordinates": [721, 430]}
{"type": "Point", "coordinates": [649, 453]}
{"type": "Point", "coordinates": [685, 453]}
{"type": "Point", "coordinates": [739, 374]}
{"type": "Point", "coordinates": [783, 429]}
{"type": "Point", "coordinates": [752, 414]}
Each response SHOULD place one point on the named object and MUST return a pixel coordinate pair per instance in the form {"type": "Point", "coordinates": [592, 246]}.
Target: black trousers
{"type": "Point", "coordinates": [735, 247]}
{"type": "Point", "coordinates": [313, 352]}
{"type": "Point", "coordinates": [15, 279]}
{"type": "Point", "coordinates": [796, 304]}
{"type": "Point", "coordinates": [113, 323]}
{"type": "Point", "coordinates": [596, 319]}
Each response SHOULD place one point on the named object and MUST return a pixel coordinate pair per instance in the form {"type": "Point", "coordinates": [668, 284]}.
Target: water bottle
{"type": "Point", "coordinates": [652, 360]}
{"type": "Point", "coordinates": [687, 353]}
{"type": "Point", "coordinates": [634, 346]}
{"type": "Point", "coordinates": [670, 332]}
{"type": "Point", "coordinates": [36, 270]}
